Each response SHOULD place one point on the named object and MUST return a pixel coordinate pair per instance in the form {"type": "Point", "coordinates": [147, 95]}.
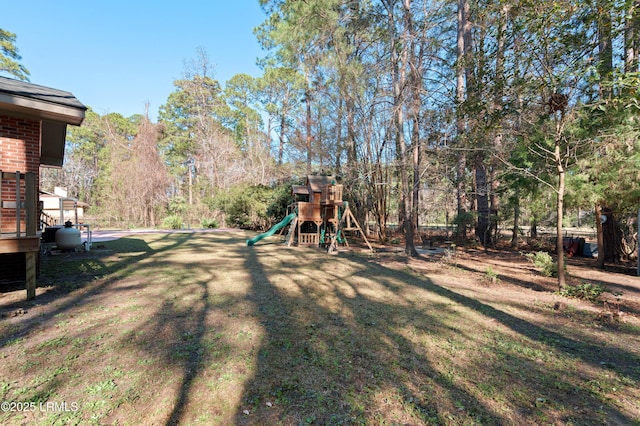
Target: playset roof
{"type": "Point", "coordinates": [317, 182]}
{"type": "Point", "coordinates": [300, 189]}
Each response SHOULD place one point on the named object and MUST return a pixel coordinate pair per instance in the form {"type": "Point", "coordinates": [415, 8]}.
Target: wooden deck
{"type": "Point", "coordinates": [30, 246]}
{"type": "Point", "coordinates": [18, 222]}
{"type": "Point", "coordinates": [13, 244]}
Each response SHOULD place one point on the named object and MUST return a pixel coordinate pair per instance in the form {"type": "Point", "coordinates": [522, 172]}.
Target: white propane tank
{"type": "Point", "coordinates": [68, 237]}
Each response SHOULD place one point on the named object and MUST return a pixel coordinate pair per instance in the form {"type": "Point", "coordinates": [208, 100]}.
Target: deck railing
{"type": "Point", "coordinates": [18, 202]}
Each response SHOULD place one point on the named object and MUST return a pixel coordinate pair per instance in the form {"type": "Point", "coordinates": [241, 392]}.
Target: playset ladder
{"type": "Point", "coordinates": [292, 230]}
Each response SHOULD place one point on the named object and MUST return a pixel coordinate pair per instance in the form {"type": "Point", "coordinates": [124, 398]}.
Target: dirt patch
{"type": "Point", "coordinates": [514, 271]}
{"type": "Point", "coordinates": [621, 286]}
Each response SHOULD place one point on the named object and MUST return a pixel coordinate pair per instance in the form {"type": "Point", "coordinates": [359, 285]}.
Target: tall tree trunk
{"type": "Point", "coordinates": [339, 143]}
{"type": "Point", "coordinates": [461, 194]}
{"type": "Point", "coordinates": [318, 146]}
{"type": "Point", "coordinates": [464, 34]}
{"type": "Point", "coordinates": [283, 127]}
{"type": "Point", "coordinates": [605, 68]}
{"type": "Point", "coordinates": [533, 228]}
{"type": "Point", "coordinates": [494, 200]}
{"type": "Point", "coordinates": [600, 239]}
{"type": "Point", "coordinates": [483, 230]}
{"type": "Point", "coordinates": [268, 140]}
{"type": "Point", "coordinates": [611, 236]}
{"type": "Point", "coordinates": [309, 136]}
{"type": "Point", "coordinates": [605, 46]}
{"type": "Point", "coordinates": [415, 199]}
{"type": "Point", "coordinates": [631, 34]}
{"type": "Point", "coordinates": [190, 169]}
{"type": "Point", "coordinates": [404, 183]}
{"type": "Point", "coordinates": [408, 187]}
{"type": "Point", "coordinates": [515, 234]}
{"type": "Point", "coordinates": [560, 206]}
{"type": "Point", "coordinates": [398, 79]}
{"type": "Point", "coordinates": [351, 136]}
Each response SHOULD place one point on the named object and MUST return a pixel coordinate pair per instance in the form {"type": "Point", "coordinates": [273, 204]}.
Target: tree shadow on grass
{"type": "Point", "coordinates": [67, 271]}
{"type": "Point", "coordinates": [146, 303]}
{"type": "Point", "coordinates": [191, 329]}
{"type": "Point", "coordinates": [338, 340]}
{"type": "Point", "coordinates": [345, 362]}
{"type": "Point", "coordinates": [186, 335]}
{"type": "Point", "coordinates": [366, 343]}
{"type": "Point", "coordinates": [76, 280]}
{"type": "Point", "coordinates": [160, 293]}
{"type": "Point", "coordinates": [112, 281]}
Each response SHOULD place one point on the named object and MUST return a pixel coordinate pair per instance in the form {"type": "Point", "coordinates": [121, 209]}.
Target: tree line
{"type": "Point", "coordinates": [478, 112]}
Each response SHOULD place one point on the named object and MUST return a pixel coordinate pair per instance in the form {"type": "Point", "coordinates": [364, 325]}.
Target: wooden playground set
{"type": "Point", "coordinates": [317, 217]}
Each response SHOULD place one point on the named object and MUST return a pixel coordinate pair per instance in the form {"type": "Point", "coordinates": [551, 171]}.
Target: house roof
{"type": "Point", "coordinates": [40, 101]}
{"type": "Point", "coordinates": [55, 108]}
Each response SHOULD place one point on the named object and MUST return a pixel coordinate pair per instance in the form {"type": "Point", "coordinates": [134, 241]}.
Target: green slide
{"type": "Point", "coordinates": [278, 226]}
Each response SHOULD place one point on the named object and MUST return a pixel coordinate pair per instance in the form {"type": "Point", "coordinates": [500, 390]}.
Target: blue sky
{"type": "Point", "coordinates": [116, 56]}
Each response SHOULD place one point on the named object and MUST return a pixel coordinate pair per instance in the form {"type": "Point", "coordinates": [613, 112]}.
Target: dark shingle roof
{"type": "Point", "coordinates": [54, 108]}
{"type": "Point", "coordinates": [41, 93]}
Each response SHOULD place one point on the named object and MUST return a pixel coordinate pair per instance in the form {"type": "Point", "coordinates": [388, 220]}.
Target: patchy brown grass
{"type": "Point", "coordinates": [199, 328]}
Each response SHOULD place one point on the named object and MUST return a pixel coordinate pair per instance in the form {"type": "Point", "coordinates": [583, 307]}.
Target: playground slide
{"type": "Point", "coordinates": [278, 226]}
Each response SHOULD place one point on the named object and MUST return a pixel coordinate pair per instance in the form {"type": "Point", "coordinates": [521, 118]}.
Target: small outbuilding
{"type": "Point", "coordinates": [57, 208]}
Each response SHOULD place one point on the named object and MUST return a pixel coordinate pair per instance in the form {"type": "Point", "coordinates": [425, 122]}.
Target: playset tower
{"type": "Point", "coordinates": [322, 216]}
{"type": "Point", "coordinates": [318, 216]}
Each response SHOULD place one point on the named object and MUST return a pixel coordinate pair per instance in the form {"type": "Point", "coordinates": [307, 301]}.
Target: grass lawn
{"type": "Point", "coordinates": [201, 329]}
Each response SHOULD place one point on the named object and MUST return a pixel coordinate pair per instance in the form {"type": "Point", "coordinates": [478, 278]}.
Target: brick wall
{"type": "Point", "coordinates": [19, 151]}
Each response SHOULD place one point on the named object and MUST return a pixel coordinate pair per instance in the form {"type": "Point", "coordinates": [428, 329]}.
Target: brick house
{"type": "Point", "coordinates": [33, 126]}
